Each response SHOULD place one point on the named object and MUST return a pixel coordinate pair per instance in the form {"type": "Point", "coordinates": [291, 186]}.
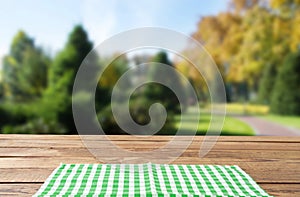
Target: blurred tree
{"type": "Point", "coordinates": [24, 69]}
{"type": "Point", "coordinates": [267, 84]}
{"type": "Point", "coordinates": [249, 36]}
{"type": "Point", "coordinates": [285, 8]}
{"type": "Point", "coordinates": [143, 97]}
{"type": "Point", "coordinates": [114, 71]}
{"type": "Point", "coordinates": [161, 93]}
{"type": "Point", "coordinates": [20, 43]}
{"type": "Point", "coordinates": [62, 75]}
{"type": "Point", "coordinates": [286, 94]}
{"type": "Point", "coordinates": [1, 87]}
{"type": "Point", "coordinates": [295, 37]}
{"type": "Point", "coordinates": [239, 6]}
{"type": "Point", "coordinates": [71, 57]}
{"type": "Point", "coordinates": [216, 33]}
{"type": "Point", "coordinates": [193, 75]}
{"type": "Point", "coordinates": [139, 112]}
{"type": "Point", "coordinates": [222, 36]}
{"type": "Point", "coordinates": [33, 74]}
{"type": "Point", "coordinates": [255, 49]}
{"type": "Point", "coordinates": [111, 73]}
{"type": "Point", "coordinates": [36, 126]}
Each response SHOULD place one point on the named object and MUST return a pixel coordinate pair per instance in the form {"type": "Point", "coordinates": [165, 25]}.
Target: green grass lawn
{"type": "Point", "coordinates": [262, 111]}
{"type": "Point", "coordinates": [231, 125]}
{"type": "Point", "coordinates": [292, 121]}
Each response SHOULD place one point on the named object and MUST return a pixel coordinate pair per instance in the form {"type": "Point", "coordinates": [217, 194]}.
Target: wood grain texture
{"type": "Point", "coordinates": [27, 189]}
{"type": "Point", "coordinates": [27, 160]}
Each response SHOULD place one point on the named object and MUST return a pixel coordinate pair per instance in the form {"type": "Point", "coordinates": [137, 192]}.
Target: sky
{"type": "Point", "coordinates": [49, 22]}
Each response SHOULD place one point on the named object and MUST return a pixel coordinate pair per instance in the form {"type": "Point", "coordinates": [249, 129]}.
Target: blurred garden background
{"type": "Point", "coordinates": [254, 43]}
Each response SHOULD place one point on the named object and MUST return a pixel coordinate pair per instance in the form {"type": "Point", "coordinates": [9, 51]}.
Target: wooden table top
{"type": "Point", "coordinates": [27, 160]}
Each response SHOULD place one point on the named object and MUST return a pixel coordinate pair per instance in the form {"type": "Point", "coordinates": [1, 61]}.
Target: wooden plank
{"type": "Point", "coordinates": [147, 144]}
{"type": "Point", "coordinates": [23, 189]}
{"type": "Point", "coordinates": [24, 175]}
{"type": "Point", "coordinates": [150, 138]}
{"type": "Point", "coordinates": [274, 162]}
{"type": "Point", "coordinates": [284, 190]}
{"type": "Point", "coordinates": [42, 162]}
{"type": "Point", "coordinates": [44, 152]}
{"type": "Point", "coordinates": [83, 152]}
{"type": "Point", "coordinates": [196, 145]}
{"type": "Point", "coordinates": [261, 171]}
{"type": "Point", "coordinates": [199, 138]}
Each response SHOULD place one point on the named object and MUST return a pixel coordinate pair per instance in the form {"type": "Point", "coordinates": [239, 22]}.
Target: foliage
{"type": "Point", "coordinates": [286, 94]}
{"type": "Point", "coordinates": [194, 77]}
{"type": "Point", "coordinates": [71, 57]}
{"type": "Point", "coordinates": [24, 69]}
{"type": "Point", "coordinates": [250, 36]}
{"type": "Point", "coordinates": [114, 71]}
{"type": "Point", "coordinates": [36, 126]}
{"type": "Point", "coordinates": [14, 114]}
{"type": "Point", "coordinates": [142, 99]}
{"type": "Point", "coordinates": [29, 117]}
{"type": "Point", "coordinates": [1, 90]}
{"type": "Point", "coordinates": [162, 93]}
{"type": "Point", "coordinates": [139, 112]}
{"type": "Point", "coordinates": [62, 75]}
{"type": "Point", "coordinates": [267, 84]}
{"type": "Point", "coordinates": [255, 44]}
{"type": "Point", "coordinates": [39, 103]}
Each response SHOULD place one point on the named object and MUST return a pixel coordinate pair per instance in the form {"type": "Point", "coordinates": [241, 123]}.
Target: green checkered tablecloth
{"type": "Point", "coordinates": [149, 180]}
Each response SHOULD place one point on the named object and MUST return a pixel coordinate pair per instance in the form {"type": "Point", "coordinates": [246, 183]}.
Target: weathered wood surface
{"type": "Point", "coordinates": [27, 160]}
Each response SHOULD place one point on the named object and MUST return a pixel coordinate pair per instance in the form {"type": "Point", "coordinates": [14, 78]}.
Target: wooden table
{"type": "Point", "coordinates": [27, 160]}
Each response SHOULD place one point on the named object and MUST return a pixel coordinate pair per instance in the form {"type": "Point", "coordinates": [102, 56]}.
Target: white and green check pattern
{"type": "Point", "coordinates": [149, 180]}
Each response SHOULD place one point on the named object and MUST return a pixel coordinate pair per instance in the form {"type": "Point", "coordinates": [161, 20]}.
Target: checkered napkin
{"type": "Point", "coordinates": [149, 180]}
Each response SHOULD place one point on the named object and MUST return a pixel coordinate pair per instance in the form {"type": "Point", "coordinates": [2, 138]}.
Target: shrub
{"type": "Point", "coordinates": [139, 112]}
{"type": "Point", "coordinates": [36, 126]}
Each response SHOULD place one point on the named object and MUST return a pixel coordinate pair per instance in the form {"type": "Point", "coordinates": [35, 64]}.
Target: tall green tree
{"type": "Point", "coordinates": [33, 74]}
{"type": "Point", "coordinates": [1, 90]}
{"type": "Point", "coordinates": [62, 75]}
{"type": "Point", "coordinates": [24, 69]}
{"type": "Point", "coordinates": [267, 84]}
{"type": "Point", "coordinates": [286, 94]}
{"type": "Point", "coordinates": [71, 57]}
